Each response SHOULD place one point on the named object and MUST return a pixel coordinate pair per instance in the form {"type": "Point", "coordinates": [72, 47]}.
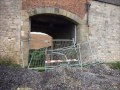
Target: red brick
{"type": "Point", "coordinates": [75, 6]}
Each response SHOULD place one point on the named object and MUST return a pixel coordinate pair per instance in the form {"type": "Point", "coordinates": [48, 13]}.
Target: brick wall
{"type": "Point", "coordinates": [75, 6]}
{"type": "Point", "coordinates": [39, 40]}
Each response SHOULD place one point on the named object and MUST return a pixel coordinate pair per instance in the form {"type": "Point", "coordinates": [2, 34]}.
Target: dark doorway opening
{"type": "Point", "coordinates": [57, 26]}
{"type": "Point", "coordinates": [63, 33]}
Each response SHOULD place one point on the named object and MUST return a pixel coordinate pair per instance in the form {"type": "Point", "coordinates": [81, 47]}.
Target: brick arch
{"type": "Point", "coordinates": [58, 11]}
{"type": "Point", "coordinates": [80, 23]}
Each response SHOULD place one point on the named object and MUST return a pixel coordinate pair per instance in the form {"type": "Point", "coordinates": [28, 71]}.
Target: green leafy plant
{"type": "Point", "coordinates": [37, 58]}
{"type": "Point", "coordinates": [115, 65]}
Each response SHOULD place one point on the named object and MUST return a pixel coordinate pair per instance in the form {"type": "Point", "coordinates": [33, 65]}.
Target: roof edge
{"type": "Point", "coordinates": [113, 2]}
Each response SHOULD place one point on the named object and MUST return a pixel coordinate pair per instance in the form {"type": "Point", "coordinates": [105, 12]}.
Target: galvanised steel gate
{"type": "Point", "coordinates": [62, 52]}
{"type": "Point", "coordinates": [66, 56]}
{"type": "Point", "coordinates": [69, 55]}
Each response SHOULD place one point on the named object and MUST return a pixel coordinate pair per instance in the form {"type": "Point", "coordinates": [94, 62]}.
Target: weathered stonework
{"type": "Point", "coordinates": [25, 29]}
{"type": "Point", "coordinates": [102, 33]}
{"type": "Point", "coordinates": [104, 22]}
{"type": "Point", "coordinates": [10, 22]}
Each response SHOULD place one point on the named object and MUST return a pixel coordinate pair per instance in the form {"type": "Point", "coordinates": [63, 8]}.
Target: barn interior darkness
{"type": "Point", "coordinates": [57, 26]}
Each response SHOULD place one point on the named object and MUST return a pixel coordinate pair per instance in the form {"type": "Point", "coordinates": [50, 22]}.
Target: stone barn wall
{"type": "Point", "coordinates": [104, 27]}
{"type": "Point", "coordinates": [10, 22]}
{"type": "Point", "coordinates": [103, 32]}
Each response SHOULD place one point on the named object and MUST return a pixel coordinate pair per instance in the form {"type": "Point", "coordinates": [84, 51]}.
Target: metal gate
{"type": "Point", "coordinates": [37, 59]}
{"type": "Point", "coordinates": [62, 52]}
{"type": "Point", "coordinates": [68, 55]}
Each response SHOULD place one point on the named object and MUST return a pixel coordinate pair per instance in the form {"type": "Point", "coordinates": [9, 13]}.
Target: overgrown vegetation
{"type": "Point", "coordinates": [37, 58]}
{"type": "Point", "coordinates": [7, 61]}
{"type": "Point", "coordinates": [114, 65]}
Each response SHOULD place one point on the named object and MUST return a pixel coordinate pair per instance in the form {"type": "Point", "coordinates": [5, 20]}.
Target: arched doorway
{"type": "Point", "coordinates": [56, 22]}
{"type": "Point", "coordinates": [63, 33]}
{"type": "Point", "coordinates": [60, 28]}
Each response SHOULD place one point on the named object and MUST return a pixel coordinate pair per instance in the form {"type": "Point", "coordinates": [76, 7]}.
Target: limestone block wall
{"type": "Point", "coordinates": [10, 29]}
{"type": "Point", "coordinates": [25, 36]}
{"type": "Point", "coordinates": [104, 30]}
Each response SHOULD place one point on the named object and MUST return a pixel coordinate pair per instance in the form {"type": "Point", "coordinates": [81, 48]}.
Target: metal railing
{"type": "Point", "coordinates": [73, 55]}
{"type": "Point", "coordinates": [62, 56]}
{"type": "Point", "coordinates": [39, 58]}
{"type": "Point", "coordinates": [60, 43]}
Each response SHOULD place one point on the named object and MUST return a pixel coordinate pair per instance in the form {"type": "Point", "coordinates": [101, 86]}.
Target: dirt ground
{"type": "Point", "coordinates": [97, 77]}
